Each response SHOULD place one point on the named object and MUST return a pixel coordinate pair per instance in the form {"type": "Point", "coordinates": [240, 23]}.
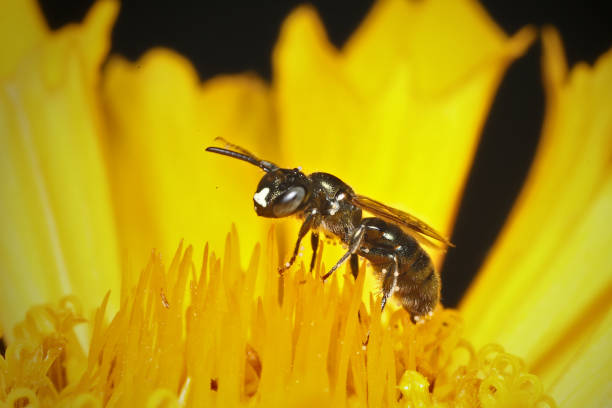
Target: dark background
{"type": "Point", "coordinates": [230, 37]}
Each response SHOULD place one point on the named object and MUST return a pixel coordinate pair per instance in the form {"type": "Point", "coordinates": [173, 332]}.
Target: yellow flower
{"type": "Point", "coordinates": [95, 175]}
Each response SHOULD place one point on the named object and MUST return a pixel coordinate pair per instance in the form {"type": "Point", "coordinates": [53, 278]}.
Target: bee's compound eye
{"type": "Point", "coordinates": [289, 201]}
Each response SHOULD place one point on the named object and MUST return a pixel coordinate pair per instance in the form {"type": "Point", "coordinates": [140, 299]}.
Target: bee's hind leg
{"type": "Point", "coordinates": [389, 283]}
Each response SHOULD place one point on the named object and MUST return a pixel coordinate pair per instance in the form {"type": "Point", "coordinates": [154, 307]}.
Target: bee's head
{"type": "Point", "coordinates": [281, 192]}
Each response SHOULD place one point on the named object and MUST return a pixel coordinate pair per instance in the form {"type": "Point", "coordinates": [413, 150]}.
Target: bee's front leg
{"type": "Point", "coordinates": [311, 221]}
{"type": "Point", "coordinates": [314, 242]}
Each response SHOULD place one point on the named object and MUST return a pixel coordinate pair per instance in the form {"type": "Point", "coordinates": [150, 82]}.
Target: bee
{"type": "Point", "coordinates": [390, 240]}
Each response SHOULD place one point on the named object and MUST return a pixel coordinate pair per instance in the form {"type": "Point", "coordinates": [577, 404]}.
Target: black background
{"type": "Point", "coordinates": [232, 37]}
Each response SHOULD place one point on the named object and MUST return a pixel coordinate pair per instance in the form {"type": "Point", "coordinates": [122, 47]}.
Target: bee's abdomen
{"type": "Point", "coordinates": [418, 284]}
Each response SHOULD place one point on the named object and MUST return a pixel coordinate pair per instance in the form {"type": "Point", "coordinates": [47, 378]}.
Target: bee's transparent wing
{"type": "Point", "coordinates": [401, 218]}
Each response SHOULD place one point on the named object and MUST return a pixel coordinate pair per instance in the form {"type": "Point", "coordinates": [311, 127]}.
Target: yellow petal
{"type": "Point", "coordinates": [545, 290]}
{"type": "Point", "coordinates": [58, 232]}
{"type": "Point", "coordinates": [22, 27]}
{"type": "Point", "coordinates": [581, 376]}
{"type": "Point", "coordinates": [397, 113]}
{"type": "Point", "coordinates": [165, 186]}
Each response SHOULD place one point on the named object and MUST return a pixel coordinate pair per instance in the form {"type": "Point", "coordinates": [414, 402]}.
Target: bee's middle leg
{"type": "Point", "coordinates": [354, 245]}
{"type": "Point", "coordinates": [354, 262]}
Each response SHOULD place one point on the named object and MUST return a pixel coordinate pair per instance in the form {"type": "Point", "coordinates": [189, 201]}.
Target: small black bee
{"type": "Point", "coordinates": [326, 204]}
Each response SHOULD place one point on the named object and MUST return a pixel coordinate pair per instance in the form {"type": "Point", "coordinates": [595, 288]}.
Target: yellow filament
{"type": "Point", "coordinates": [234, 336]}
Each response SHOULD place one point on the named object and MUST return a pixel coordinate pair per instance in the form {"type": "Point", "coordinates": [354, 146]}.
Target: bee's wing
{"type": "Point", "coordinates": [403, 219]}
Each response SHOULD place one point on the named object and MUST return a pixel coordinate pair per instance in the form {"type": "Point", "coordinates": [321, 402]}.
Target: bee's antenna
{"type": "Point", "coordinates": [262, 164]}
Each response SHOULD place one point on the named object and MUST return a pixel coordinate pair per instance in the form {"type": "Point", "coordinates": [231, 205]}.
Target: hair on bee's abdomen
{"type": "Point", "coordinates": [418, 284]}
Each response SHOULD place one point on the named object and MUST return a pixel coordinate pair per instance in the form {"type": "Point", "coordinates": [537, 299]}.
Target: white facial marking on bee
{"type": "Point", "coordinates": [260, 197]}
{"type": "Point", "coordinates": [340, 196]}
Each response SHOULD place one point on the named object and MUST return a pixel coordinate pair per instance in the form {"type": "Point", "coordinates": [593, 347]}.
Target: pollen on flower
{"type": "Point", "coordinates": [221, 334]}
